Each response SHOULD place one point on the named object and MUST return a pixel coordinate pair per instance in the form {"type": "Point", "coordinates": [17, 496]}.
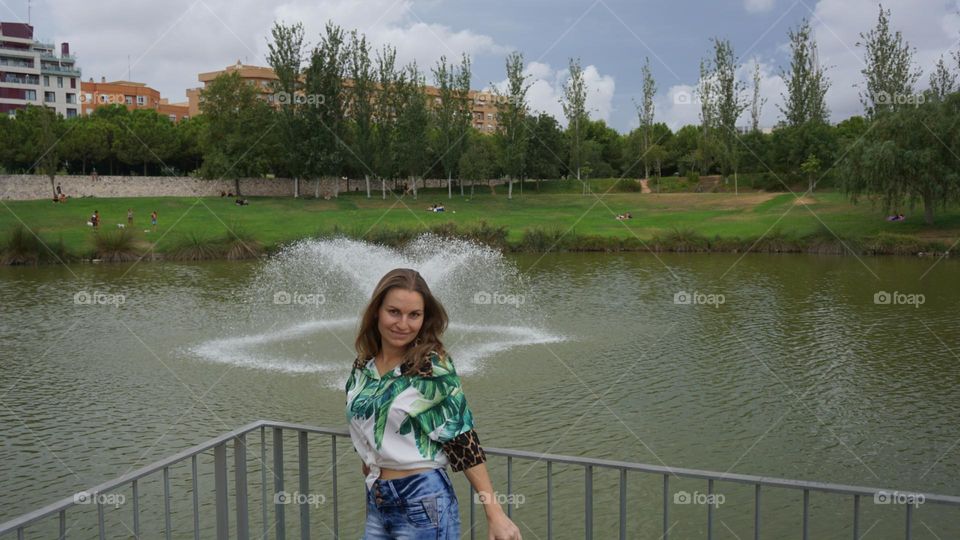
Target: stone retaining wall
{"type": "Point", "coordinates": [27, 187]}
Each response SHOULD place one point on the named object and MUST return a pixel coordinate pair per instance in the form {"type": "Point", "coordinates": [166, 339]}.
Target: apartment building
{"type": "Point", "coordinates": [132, 95]}
{"type": "Point", "coordinates": [483, 104]}
{"type": "Point", "coordinates": [32, 73]}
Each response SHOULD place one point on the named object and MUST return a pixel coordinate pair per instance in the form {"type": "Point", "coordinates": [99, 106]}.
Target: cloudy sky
{"type": "Point", "coordinates": [169, 42]}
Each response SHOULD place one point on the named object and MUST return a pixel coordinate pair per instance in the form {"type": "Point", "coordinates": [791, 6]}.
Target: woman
{"type": "Point", "coordinates": [409, 418]}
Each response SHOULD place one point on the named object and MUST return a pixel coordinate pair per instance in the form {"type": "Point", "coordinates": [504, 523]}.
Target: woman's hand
{"type": "Point", "coordinates": [499, 527]}
{"type": "Point", "coordinates": [365, 469]}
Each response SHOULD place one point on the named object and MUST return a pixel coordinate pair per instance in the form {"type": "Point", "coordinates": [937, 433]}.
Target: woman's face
{"type": "Point", "coordinates": [400, 317]}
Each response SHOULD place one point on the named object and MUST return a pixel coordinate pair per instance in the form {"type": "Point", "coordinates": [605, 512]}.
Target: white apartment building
{"type": "Point", "coordinates": [32, 73]}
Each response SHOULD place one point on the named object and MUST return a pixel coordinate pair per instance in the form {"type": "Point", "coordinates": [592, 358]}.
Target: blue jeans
{"type": "Point", "coordinates": [414, 507]}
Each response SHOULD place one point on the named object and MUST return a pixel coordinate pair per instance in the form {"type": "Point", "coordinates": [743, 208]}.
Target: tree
{"type": "Point", "coordinates": [730, 104]}
{"type": "Point", "coordinates": [756, 103]}
{"type": "Point", "coordinates": [286, 57]}
{"type": "Point", "coordinates": [908, 156]}
{"type": "Point", "coordinates": [453, 114]}
{"type": "Point", "coordinates": [806, 82]}
{"type": "Point", "coordinates": [479, 161]}
{"type": "Point", "coordinates": [574, 102]}
{"type": "Point", "coordinates": [324, 114]}
{"type": "Point", "coordinates": [708, 115]}
{"type": "Point", "coordinates": [238, 121]}
{"type": "Point", "coordinates": [890, 72]}
{"type": "Point", "coordinates": [87, 140]}
{"type": "Point", "coordinates": [412, 123]}
{"type": "Point", "coordinates": [41, 129]}
{"type": "Point", "coordinates": [646, 112]}
{"type": "Point", "coordinates": [811, 168]}
{"type": "Point", "coordinates": [546, 147]}
{"type": "Point", "coordinates": [147, 138]}
{"type": "Point", "coordinates": [512, 110]}
{"type": "Point", "coordinates": [943, 82]}
{"type": "Point", "coordinates": [385, 114]}
{"type": "Point", "coordinates": [361, 99]}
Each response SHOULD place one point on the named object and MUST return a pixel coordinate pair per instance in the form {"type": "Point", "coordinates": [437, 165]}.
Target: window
{"type": "Point", "coordinates": [30, 95]}
{"type": "Point", "coordinates": [46, 80]}
{"type": "Point", "coordinates": [59, 82]}
{"type": "Point", "coordinates": [489, 116]}
{"type": "Point", "coordinates": [50, 97]}
{"type": "Point", "coordinates": [185, 117]}
{"type": "Point", "coordinates": [173, 118]}
{"type": "Point", "coordinates": [87, 97]}
{"type": "Point", "coordinates": [72, 98]}
{"type": "Point", "coordinates": [71, 113]}
{"type": "Point", "coordinates": [73, 82]}
{"type": "Point", "coordinates": [141, 100]}
{"type": "Point", "coordinates": [128, 100]}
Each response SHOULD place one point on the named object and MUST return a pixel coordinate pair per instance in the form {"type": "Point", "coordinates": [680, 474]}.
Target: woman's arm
{"type": "Point", "coordinates": [499, 526]}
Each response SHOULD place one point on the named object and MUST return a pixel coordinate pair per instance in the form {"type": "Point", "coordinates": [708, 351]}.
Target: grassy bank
{"type": "Point", "coordinates": [557, 218]}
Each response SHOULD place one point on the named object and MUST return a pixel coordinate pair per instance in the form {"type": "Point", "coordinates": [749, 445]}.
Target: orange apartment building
{"type": "Point", "coordinates": [484, 104]}
{"type": "Point", "coordinates": [133, 95]}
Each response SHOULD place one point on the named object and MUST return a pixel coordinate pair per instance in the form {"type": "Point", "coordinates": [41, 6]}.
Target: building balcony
{"type": "Point", "coordinates": [70, 72]}
{"type": "Point", "coordinates": [242, 483]}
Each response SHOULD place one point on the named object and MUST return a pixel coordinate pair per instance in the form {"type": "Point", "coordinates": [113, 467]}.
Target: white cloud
{"type": "Point", "coordinates": [546, 90]}
{"type": "Point", "coordinates": [680, 105]}
{"type": "Point", "coordinates": [758, 6]}
{"type": "Point", "coordinates": [837, 24]}
{"type": "Point", "coordinates": [169, 43]}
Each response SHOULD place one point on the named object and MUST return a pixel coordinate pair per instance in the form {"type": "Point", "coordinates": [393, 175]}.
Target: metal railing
{"type": "Point", "coordinates": [237, 441]}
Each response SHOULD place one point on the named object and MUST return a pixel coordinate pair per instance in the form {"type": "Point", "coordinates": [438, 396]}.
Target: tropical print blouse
{"type": "Point", "coordinates": [409, 420]}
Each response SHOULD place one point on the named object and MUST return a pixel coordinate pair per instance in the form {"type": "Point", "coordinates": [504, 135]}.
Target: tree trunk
{"type": "Point", "coordinates": [510, 188]}
{"type": "Point", "coordinates": [236, 184]}
{"type": "Point", "coordinates": [336, 187]}
{"type": "Point", "coordinates": [928, 207]}
{"type": "Point", "coordinates": [383, 187]}
{"type": "Point", "coordinates": [316, 190]}
{"type": "Point", "coordinates": [736, 183]}
{"type": "Point", "coordinates": [296, 187]}
{"type": "Point", "coordinates": [471, 188]}
{"type": "Point", "coordinates": [366, 180]}
{"type": "Point", "coordinates": [413, 180]}
{"type": "Point", "coordinates": [449, 186]}
{"type": "Point", "coordinates": [53, 185]}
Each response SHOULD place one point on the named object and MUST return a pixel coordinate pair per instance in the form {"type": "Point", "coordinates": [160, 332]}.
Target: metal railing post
{"type": "Point", "coordinates": [240, 478]}
{"type": "Point", "coordinates": [220, 491]}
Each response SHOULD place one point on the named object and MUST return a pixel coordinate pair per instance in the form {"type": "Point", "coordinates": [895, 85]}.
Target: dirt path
{"type": "Point", "coordinates": [644, 188]}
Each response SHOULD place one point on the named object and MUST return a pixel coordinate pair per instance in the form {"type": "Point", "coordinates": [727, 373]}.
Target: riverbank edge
{"type": "Point", "coordinates": [112, 247]}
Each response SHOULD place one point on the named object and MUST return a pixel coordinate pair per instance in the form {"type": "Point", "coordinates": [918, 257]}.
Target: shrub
{"type": "Point", "coordinates": [116, 246]}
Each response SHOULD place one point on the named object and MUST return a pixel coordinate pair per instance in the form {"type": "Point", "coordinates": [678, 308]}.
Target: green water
{"type": "Point", "coordinates": [798, 373]}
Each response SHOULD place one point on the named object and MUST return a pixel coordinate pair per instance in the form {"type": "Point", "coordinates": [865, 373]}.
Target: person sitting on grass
{"type": "Point", "coordinates": [63, 197]}
{"type": "Point", "coordinates": [898, 217]}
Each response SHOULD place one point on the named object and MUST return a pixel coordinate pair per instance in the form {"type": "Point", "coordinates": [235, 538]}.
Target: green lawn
{"type": "Point", "coordinates": [276, 220]}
